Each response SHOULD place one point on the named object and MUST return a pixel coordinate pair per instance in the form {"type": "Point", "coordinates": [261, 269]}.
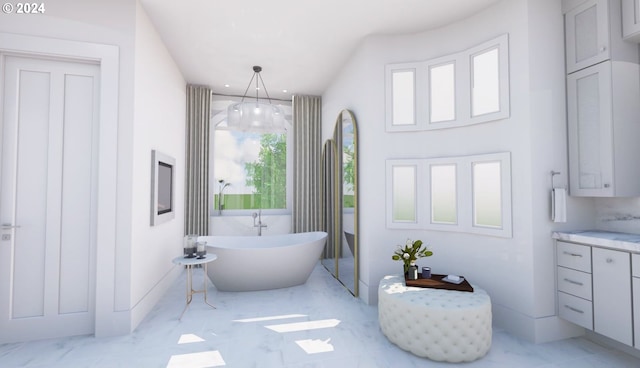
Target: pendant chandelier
{"type": "Point", "coordinates": [254, 115]}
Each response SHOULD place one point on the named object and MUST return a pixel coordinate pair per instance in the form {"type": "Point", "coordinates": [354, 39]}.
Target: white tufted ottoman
{"type": "Point", "coordinates": [442, 325]}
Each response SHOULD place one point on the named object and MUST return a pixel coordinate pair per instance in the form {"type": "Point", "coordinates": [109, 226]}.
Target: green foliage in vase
{"type": "Point", "coordinates": [411, 251]}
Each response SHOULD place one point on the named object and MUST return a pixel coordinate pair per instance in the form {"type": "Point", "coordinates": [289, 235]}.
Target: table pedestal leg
{"type": "Point", "coordinates": [205, 287]}
{"type": "Point", "coordinates": [190, 290]}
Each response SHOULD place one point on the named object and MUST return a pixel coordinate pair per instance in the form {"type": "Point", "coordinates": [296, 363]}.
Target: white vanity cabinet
{"type": "Point", "coordinates": [574, 283]}
{"type": "Point", "coordinates": [612, 315]}
{"type": "Point", "coordinates": [631, 20]}
{"type": "Point", "coordinates": [602, 111]}
{"type": "Point", "coordinates": [598, 282]}
{"type": "Point", "coordinates": [635, 269]}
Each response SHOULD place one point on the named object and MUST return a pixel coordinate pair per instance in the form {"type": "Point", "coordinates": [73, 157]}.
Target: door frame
{"type": "Point", "coordinates": [107, 56]}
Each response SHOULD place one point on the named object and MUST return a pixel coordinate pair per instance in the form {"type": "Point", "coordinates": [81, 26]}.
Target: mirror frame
{"type": "Point", "coordinates": [328, 258]}
{"type": "Point", "coordinates": [338, 202]}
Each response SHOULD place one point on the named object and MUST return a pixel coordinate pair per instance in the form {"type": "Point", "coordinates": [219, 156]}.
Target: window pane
{"type": "Point", "coordinates": [404, 193]}
{"type": "Point", "coordinates": [254, 166]}
{"type": "Point", "coordinates": [403, 97]}
{"type": "Point", "coordinates": [486, 83]}
{"type": "Point", "coordinates": [442, 93]}
{"type": "Point", "coordinates": [443, 194]}
{"type": "Point", "coordinates": [487, 200]}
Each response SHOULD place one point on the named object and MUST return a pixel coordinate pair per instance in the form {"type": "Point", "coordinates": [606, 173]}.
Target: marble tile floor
{"type": "Point", "coordinates": [317, 325]}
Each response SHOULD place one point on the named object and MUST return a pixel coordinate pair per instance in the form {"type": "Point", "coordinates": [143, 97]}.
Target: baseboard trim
{"type": "Point", "coordinates": [536, 330]}
{"type": "Point", "coordinates": [146, 304]}
{"type": "Point", "coordinates": [610, 343]}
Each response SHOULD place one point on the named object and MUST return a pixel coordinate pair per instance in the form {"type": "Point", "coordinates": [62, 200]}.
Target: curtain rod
{"type": "Point", "coordinates": [224, 95]}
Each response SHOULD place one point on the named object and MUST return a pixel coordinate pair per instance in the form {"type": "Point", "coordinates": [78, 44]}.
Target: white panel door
{"type": "Point", "coordinates": [48, 198]}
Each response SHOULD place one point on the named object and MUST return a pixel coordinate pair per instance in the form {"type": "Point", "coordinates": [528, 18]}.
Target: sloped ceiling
{"type": "Point", "coordinates": [300, 44]}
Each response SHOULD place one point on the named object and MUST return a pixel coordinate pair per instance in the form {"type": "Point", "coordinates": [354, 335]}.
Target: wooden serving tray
{"type": "Point", "coordinates": [435, 282]}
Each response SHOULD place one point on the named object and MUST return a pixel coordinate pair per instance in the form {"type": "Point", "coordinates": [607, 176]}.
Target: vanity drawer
{"type": "Point", "coordinates": [635, 266]}
{"type": "Point", "coordinates": [574, 282]}
{"type": "Point", "coordinates": [574, 256]}
{"type": "Point", "coordinates": [575, 310]}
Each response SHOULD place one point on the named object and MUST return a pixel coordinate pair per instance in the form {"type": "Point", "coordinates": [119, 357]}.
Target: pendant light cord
{"type": "Point", "coordinates": [256, 71]}
{"type": "Point", "coordinates": [247, 90]}
{"type": "Point", "coordinates": [263, 86]}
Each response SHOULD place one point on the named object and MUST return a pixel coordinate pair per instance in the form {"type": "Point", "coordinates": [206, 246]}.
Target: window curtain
{"type": "Point", "coordinates": [196, 219]}
{"type": "Point", "coordinates": [307, 164]}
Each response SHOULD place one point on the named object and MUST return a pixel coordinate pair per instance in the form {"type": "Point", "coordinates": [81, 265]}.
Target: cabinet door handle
{"type": "Point", "coordinates": [573, 282]}
{"type": "Point", "coordinates": [572, 254]}
{"type": "Point", "coordinates": [609, 260]}
{"type": "Point", "coordinates": [603, 48]}
{"type": "Point", "coordinates": [573, 309]}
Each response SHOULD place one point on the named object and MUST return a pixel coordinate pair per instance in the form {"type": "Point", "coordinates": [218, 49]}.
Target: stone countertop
{"type": "Point", "coordinates": [605, 239]}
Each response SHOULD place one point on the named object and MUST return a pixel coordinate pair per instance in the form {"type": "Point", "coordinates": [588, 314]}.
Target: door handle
{"type": "Point", "coordinates": [9, 226]}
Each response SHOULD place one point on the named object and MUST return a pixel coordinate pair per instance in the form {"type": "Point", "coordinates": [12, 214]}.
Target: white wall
{"type": "Point", "coordinates": [159, 123]}
{"type": "Point", "coordinates": [517, 272]}
{"type": "Point", "coordinates": [618, 214]}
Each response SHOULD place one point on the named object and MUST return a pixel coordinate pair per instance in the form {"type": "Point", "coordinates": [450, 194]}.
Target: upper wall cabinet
{"type": "Point", "coordinates": [587, 35]}
{"type": "Point", "coordinates": [631, 20]}
{"type": "Point", "coordinates": [593, 32]}
{"type": "Point", "coordinates": [603, 111]}
{"type": "Point", "coordinates": [468, 87]}
{"type": "Point", "coordinates": [603, 90]}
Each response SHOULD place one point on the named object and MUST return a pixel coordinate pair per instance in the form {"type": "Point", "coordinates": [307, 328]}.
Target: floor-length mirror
{"type": "Point", "coordinates": [345, 136]}
{"type": "Point", "coordinates": [329, 260]}
{"type": "Point", "coordinates": [340, 210]}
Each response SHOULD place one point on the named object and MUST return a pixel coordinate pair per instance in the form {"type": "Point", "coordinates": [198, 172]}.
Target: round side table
{"type": "Point", "coordinates": [189, 263]}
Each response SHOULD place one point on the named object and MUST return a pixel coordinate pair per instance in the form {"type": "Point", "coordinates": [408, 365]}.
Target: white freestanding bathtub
{"type": "Point", "coordinates": [249, 263]}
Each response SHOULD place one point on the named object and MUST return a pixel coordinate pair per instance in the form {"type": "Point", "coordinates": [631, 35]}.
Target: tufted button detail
{"type": "Point", "coordinates": [441, 325]}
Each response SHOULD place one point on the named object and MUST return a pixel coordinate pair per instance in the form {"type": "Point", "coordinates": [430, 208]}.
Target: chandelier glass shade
{"type": "Point", "coordinates": [253, 115]}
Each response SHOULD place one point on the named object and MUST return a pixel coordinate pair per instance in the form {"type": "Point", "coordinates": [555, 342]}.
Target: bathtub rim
{"type": "Point", "coordinates": [270, 241]}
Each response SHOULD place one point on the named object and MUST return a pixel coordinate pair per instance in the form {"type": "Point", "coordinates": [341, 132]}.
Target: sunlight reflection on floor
{"type": "Point", "coordinates": [189, 338]}
{"type": "Point", "coordinates": [302, 326]}
{"type": "Point", "coordinates": [197, 360]}
{"type": "Point", "coordinates": [315, 346]}
{"type": "Point", "coordinates": [271, 318]}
